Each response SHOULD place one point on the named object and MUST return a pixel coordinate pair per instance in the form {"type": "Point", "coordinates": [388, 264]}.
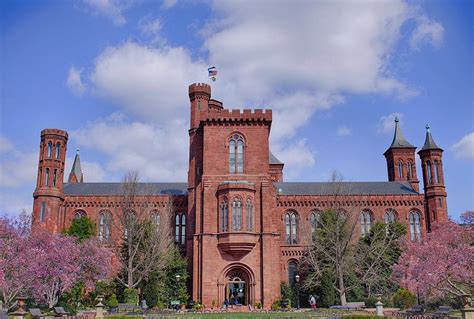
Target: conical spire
{"type": "Point", "coordinates": [429, 142]}
{"type": "Point", "coordinates": [76, 172]}
{"type": "Point", "coordinates": [399, 140]}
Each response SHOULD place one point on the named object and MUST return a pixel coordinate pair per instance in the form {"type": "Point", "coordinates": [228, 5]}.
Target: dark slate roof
{"type": "Point", "coordinates": [114, 188]}
{"type": "Point", "coordinates": [273, 160]}
{"type": "Point", "coordinates": [345, 188]}
{"type": "Point", "coordinates": [429, 142]}
{"type": "Point", "coordinates": [399, 141]}
{"type": "Point", "coordinates": [76, 168]}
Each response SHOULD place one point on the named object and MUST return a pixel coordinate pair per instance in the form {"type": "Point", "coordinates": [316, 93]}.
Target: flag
{"type": "Point", "coordinates": [212, 71]}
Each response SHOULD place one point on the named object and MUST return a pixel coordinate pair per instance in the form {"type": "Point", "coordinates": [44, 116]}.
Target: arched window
{"type": "Point", "coordinates": [54, 177]}
{"type": "Point", "coordinates": [415, 228]}
{"type": "Point", "coordinates": [291, 272]}
{"type": "Point", "coordinates": [400, 169]}
{"type": "Point", "coordinates": [46, 177]}
{"type": "Point", "coordinates": [224, 207]}
{"type": "Point", "coordinates": [50, 147]}
{"type": "Point", "coordinates": [436, 172]}
{"type": "Point", "coordinates": [365, 220]}
{"type": "Point", "coordinates": [180, 228]}
{"type": "Point", "coordinates": [129, 223]}
{"type": "Point", "coordinates": [249, 214]}
{"type": "Point", "coordinates": [105, 223]}
{"type": "Point", "coordinates": [156, 218]}
{"type": "Point", "coordinates": [291, 228]}
{"type": "Point", "coordinates": [80, 213]}
{"type": "Point", "coordinates": [314, 220]}
{"type": "Point", "coordinates": [409, 170]}
{"type": "Point", "coordinates": [428, 172]}
{"type": "Point", "coordinates": [57, 151]}
{"type": "Point", "coordinates": [43, 212]}
{"type": "Point", "coordinates": [390, 216]}
{"type": "Point", "coordinates": [236, 214]}
{"type": "Point", "coordinates": [236, 154]}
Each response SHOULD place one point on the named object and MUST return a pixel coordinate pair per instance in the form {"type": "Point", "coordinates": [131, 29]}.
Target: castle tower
{"type": "Point", "coordinates": [400, 158]}
{"type": "Point", "coordinates": [76, 176]}
{"type": "Point", "coordinates": [431, 156]}
{"type": "Point", "coordinates": [49, 194]}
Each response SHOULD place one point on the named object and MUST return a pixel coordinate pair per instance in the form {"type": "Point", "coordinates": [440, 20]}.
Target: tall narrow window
{"type": "Point", "coordinates": [291, 228]}
{"type": "Point", "coordinates": [50, 146]}
{"type": "Point", "coordinates": [365, 223]}
{"type": "Point", "coordinates": [415, 228]}
{"type": "Point", "coordinates": [57, 151]}
{"type": "Point", "coordinates": [314, 220]}
{"type": "Point", "coordinates": [43, 212]}
{"type": "Point", "coordinates": [400, 169]}
{"type": "Point", "coordinates": [291, 272]}
{"type": "Point", "coordinates": [180, 228]}
{"type": "Point", "coordinates": [428, 172]}
{"type": "Point", "coordinates": [409, 170]}
{"type": "Point", "coordinates": [389, 216]}
{"type": "Point", "coordinates": [156, 218]}
{"type": "Point", "coordinates": [224, 216]}
{"type": "Point", "coordinates": [436, 172]}
{"type": "Point", "coordinates": [105, 221]}
{"type": "Point", "coordinates": [46, 177]}
{"type": "Point", "coordinates": [54, 177]}
{"type": "Point", "coordinates": [249, 215]}
{"type": "Point", "coordinates": [236, 154]}
{"type": "Point", "coordinates": [236, 214]}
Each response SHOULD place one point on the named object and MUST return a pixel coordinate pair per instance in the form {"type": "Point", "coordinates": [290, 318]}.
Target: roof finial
{"type": "Point", "coordinates": [77, 151]}
{"type": "Point", "coordinates": [428, 128]}
{"type": "Point", "coordinates": [396, 119]}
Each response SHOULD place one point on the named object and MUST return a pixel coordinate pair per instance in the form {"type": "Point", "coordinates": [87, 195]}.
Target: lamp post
{"type": "Point", "coordinates": [177, 290]}
{"type": "Point", "coordinates": [297, 278]}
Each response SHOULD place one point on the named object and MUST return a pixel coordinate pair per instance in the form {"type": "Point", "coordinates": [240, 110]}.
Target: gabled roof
{"type": "Point", "coordinates": [429, 141]}
{"type": "Point", "coordinates": [399, 141]}
{"type": "Point", "coordinates": [273, 160]}
{"type": "Point", "coordinates": [345, 188]}
{"type": "Point", "coordinates": [112, 189]}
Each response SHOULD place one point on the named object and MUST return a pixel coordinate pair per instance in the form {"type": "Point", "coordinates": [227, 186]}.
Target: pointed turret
{"type": "Point", "coordinates": [431, 156]}
{"type": "Point", "coordinates": [400, 158]}
{"type": "Point", "coordinates": [76, 175]}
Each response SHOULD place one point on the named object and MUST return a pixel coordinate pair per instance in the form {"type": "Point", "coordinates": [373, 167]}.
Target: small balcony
{"type": "Point", "coordinates": [237, 244]}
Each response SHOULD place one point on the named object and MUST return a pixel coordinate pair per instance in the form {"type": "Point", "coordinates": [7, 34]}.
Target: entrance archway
{"type": "Point", "coordinates": [237, 285]}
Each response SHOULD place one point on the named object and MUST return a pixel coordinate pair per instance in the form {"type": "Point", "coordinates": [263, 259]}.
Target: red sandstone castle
{"type": "Point", "coordinates": [240, 226]}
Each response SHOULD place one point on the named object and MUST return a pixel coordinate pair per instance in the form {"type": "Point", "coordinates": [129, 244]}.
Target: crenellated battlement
{"type": "Point", "coordinates": [199, 88]}
{"type": "Point", "coordinates": [54, 131]}
{"type": "Point", "coordinates": [236, 115]}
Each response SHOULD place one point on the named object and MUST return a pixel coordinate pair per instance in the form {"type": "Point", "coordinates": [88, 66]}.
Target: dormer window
{"type": "Point", "coordinates": [236, 154]}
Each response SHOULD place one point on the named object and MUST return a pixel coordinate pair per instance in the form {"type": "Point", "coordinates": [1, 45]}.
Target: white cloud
{"type": "Point", "coordinates": [169, 3]}
{"type": "Point", "coordinates": [386, 123]}
{"type": "Point", "coordinates": [343, 131]}
{"type": "Point", "coordinates": [427, 31]}
{"type": "Point", "coordinates": [17, 168]}
{"type": "Point", "coordinates": [296, 156]}
{"type": "Point", "coordinates": [92, 171]}
{"type": "Point", "coordinates": [112, 9]}
{"type": "Point", "coordinates": [159, 154]}
{"type": "Point", "coordinates": [5, 145]}
{"type": "Point", "coordinates": [464, 149]}
{"type": "Point", "coordinates": [74, 81]}
{"type": "Point", "coordinates": [151, 29]}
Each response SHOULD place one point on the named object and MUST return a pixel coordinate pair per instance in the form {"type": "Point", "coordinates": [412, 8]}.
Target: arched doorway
{"type": "Point", "coordinates": [237, 285]}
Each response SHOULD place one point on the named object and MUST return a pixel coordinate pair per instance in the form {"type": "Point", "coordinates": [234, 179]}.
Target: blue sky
{"type": "Point", "coordinates": [114, 74]}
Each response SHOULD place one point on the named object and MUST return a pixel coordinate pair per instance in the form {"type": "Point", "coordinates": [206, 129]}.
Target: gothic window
{"type": "Point", "coordinates": [57, 151]}
{"type": "Point", "coordinates": [80, 213]}
{"type": "Point", "coordinates": [365, 220]}
{"type": "Point", "coordinates": [105, 223]}
{"type": "Point", "coordinates": [156, 218]}
{"type": "Point", "coordinates": [249, 214]}
{"type": "Point", "coordinates": [428, 172]}
{"type": "Point", "coordinates": [46, 177]}
{"type": "Point", "coordinates": [390, 216]}
{"type": "Point", "coordinates": [291, 272]}
{"type": "Point", "coordinates": [314, 220]}
{"type": "Point", "coordinates": [415, 228]}
{"type": "Point", "coordinates": [236, 214]}
{"type": "Point", "coordinates": [409, 170]}
{"type": "Point", "coordinates": [436, 172]}
{"type": "Point", "coordinates": [180, 229]}
{"type": "Point", "coordinates": [291, 228]}
{"type": "Point", "coordinates": [224, 209]}
{"type": "Point", "coordinates": [236, 154]}
{"type": "Point", "coordinates": [129, 221]}
{"type": "Point", "coordinates": [50, 147]}
{"type": "Point", "coordinates": [43, 212]}
{"type": "Point", "coordinates": [400, 169]}
{"type": "Point", "coordinates": [54, 177]}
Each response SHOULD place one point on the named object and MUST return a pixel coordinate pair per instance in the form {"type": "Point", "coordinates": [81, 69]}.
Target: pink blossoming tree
{"type": "Point", "coordinates": [440, 265]}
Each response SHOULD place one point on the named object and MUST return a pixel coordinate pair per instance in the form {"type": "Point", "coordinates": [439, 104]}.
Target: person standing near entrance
{"type": "Point", "coordinates": [312, 302]}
